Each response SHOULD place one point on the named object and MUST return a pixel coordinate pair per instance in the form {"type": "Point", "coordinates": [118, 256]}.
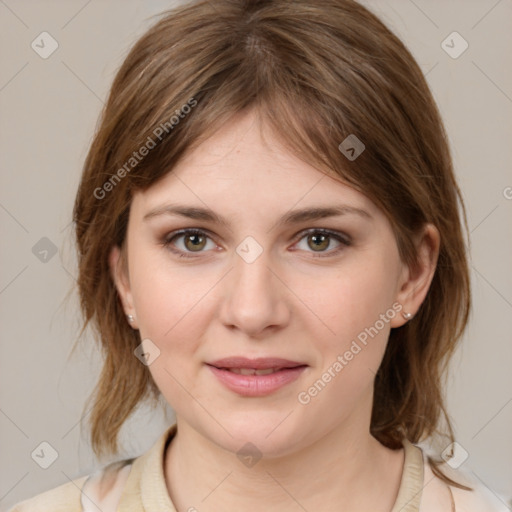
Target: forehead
{"type": "Point", "coordinates": [244, 165]}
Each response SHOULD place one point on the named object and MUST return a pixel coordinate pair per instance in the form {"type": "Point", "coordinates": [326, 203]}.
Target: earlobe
{"type": "Point", "coordinates": [120, 277]}
{"type": "Point", "coordinates": [417, 279]}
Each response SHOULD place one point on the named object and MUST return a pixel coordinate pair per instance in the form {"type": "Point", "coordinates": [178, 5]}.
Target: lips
{"type": "Point", "coordinates": [256, 377]}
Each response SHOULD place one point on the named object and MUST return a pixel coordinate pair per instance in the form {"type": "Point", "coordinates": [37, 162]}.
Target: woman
{"type": "Point", "coordinates": [269, 238]}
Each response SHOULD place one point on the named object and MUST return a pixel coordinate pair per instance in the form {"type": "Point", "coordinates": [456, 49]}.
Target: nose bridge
{"type": "Point", "coordinates": [254, 299]}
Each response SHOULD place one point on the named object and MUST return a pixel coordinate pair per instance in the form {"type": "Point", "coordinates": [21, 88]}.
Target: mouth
{"type": "Point", "coordinates": [256, 377]}
{"type": "Point", "coordinates": [252, 371]}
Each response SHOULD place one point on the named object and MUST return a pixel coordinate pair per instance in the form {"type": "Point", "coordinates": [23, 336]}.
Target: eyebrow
{"type": "Point", "coordinates": [292, 217]}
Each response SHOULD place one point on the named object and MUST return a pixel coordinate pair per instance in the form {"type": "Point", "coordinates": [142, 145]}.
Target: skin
{"type": "Point", "coordinates": [295, 301]}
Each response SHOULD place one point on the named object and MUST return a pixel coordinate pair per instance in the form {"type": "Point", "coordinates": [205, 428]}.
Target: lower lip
{"type": "Point", "coordinates": [257, 385]}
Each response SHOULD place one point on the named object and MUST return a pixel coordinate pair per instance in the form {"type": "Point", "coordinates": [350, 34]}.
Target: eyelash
{"type": "Point", "coordinates": [344, 241]}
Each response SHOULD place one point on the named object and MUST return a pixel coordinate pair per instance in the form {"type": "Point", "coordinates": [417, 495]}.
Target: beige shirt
{"type": "Point", "coordinates": [138, 485]}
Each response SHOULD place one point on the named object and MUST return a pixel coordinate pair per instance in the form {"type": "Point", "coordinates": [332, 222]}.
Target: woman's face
{"type": "Point", "coordinates": [265, 282]}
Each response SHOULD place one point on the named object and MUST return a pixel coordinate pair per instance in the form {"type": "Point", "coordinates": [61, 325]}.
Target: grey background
{"type": "Point", "coordinates": [49, 109]}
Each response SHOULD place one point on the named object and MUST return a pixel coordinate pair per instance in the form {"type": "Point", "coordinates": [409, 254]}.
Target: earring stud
{"type": "Point", "coordinates": [407, 316]}
{"type": "Point", "coordinates": [130, 318]}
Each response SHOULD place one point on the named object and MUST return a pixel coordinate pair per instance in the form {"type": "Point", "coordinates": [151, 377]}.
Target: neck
{"type": "Point", "coordinates": [347, 467]}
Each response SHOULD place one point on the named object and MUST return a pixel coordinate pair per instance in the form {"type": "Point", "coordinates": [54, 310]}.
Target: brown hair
{"type": "Point", "coordinates": [317, 71]}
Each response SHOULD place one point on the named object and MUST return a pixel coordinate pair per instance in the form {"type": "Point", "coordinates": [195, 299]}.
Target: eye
{"type": "Point", "coordinates": [320, 239]}
{"type": "Point", "coordinates": [192, 240]}
{"type": "Point", "coordinates": [188, 241]}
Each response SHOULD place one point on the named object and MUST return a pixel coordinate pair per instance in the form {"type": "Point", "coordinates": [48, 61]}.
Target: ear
{"type": "Point", "coordinates": [415, 281]}
{"type": "Point", "coordinates": [119, 271]}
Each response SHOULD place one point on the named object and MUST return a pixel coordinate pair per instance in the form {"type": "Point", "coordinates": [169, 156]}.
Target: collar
{"type": "Point", "coordinates": [411, 484]}
{"type": "Point", "coordinates": [146, 490]}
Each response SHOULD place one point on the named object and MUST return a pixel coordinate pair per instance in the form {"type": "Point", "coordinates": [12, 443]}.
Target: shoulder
{"type": "Point", "coordinates": [83, 494]}
{"type": "Point", "coordinates": [65, 498]}
{"type": "Point", "coordinates": [438, 495]}
{"type": "Point", "coordinates": [118, 483]}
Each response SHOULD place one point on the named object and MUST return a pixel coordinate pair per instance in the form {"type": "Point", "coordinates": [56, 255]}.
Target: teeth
{"type": "Point", "coordinates": [252, 371]}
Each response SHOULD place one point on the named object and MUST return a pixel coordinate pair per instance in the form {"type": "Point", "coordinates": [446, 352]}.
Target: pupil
{"type": "Point", "coordinates": [321, 239]}
{"type": "Point", "coordinates": [197, 243]}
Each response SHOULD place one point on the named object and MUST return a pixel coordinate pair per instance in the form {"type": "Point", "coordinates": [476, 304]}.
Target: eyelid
{"type": "Point", "coordinates": [342, 237]}
{"type": "Point", "coordinates": [167, 240]}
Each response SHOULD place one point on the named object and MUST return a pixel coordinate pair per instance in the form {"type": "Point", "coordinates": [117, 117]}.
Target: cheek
{"type": "Point", "coordinates": [345, 303]}
{"type": "Point", "coordinates": [168, 298]}
{"type": "Point", "coordinates": [357, 308]}
{"type": "Point", "coordinates": [173, 311]}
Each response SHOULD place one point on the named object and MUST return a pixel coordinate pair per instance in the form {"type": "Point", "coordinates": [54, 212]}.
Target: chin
{"type": "Point", "coordinates": [266, 433]}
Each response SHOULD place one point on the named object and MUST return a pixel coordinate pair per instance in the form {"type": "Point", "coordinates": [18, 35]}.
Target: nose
{"type": "Point", "coordinates": [255, 297]}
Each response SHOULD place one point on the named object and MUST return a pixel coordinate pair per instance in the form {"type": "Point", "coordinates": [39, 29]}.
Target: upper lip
{"type": "Point", "coordinates": [260, 363]}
